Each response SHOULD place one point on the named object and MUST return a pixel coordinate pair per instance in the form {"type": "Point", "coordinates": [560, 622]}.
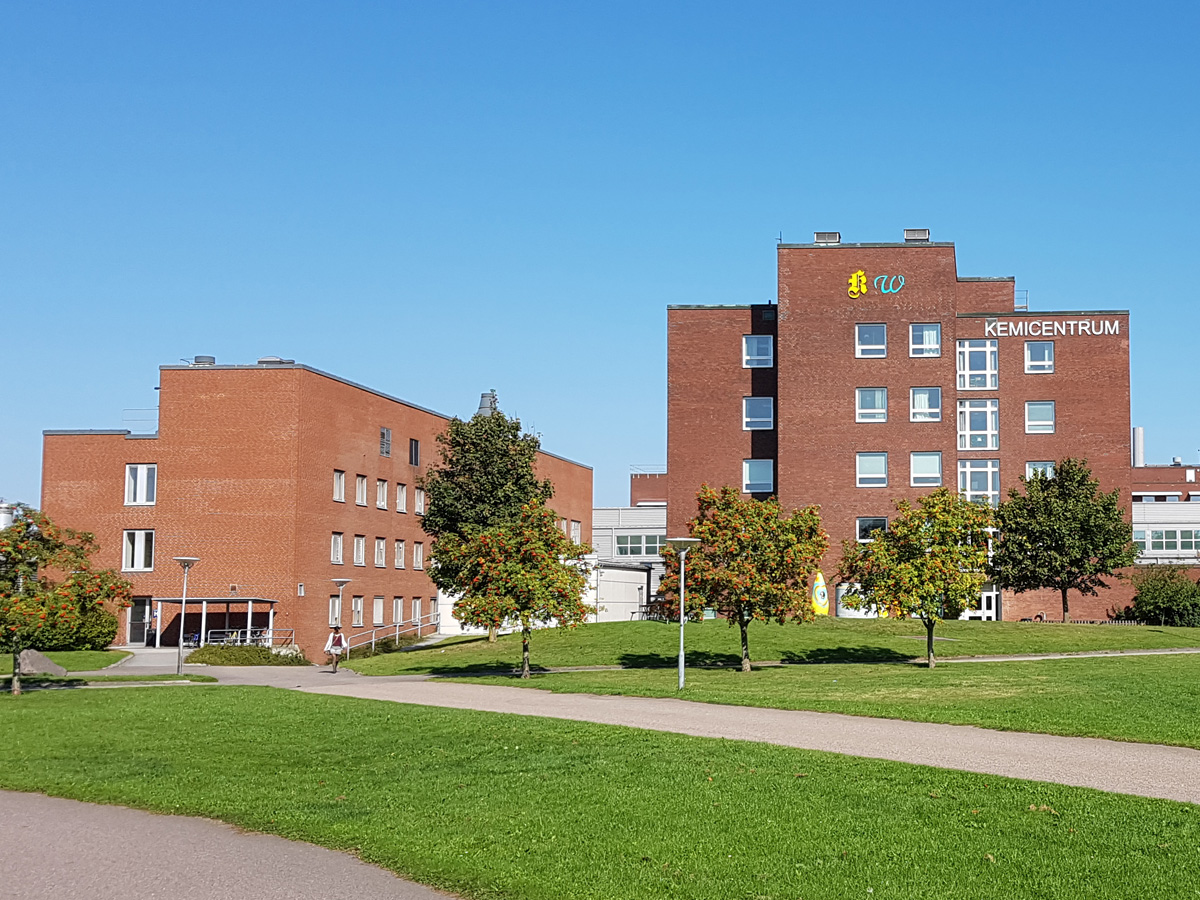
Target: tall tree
{"type": "Point", "coordinates": [521, 574]}
{"type": "Point", "coordinates": [1062, 533]}
{"type": "Point", "coordinates": [929, 564]}
{"type": "Point", "coordinates": [752, 562]}
{"type": "Point", "coordinates": [33, 551]}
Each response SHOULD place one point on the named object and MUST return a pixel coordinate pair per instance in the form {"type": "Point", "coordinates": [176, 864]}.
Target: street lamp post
{"type": "Point", "coordinates": [682, 545]}
{"type": "Point", "coordinates": [341, 584]}
{"type": "Point", "coordinates": [187, 562]}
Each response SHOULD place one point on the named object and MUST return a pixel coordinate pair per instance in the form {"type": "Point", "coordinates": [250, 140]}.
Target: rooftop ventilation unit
{"type": "Point", "coordinates": [1177, 460]}
{"type": "Point", "coordinates": [204, 361]}
{"type": "Point", "coordinates": [827, 237]}
{"type": "Point", "coordinates": [916, 234]}
{"type": "Point", "coordinates": [275, 361]}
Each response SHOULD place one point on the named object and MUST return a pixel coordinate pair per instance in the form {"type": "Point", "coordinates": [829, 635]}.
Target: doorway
{"type": "Point", "coordinates": [139, 620]}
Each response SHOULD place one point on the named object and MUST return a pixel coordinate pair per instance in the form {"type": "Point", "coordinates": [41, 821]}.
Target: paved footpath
{"type": "Point", "coordinates": [114, 853]}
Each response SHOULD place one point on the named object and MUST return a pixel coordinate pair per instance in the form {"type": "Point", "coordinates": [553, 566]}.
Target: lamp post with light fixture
{"type": "Point", "coordinates": [187, 562]}
{"type": "Point", "coordinates": [341, 585]}
{"type": "Point", "coordinates": [682, 545]}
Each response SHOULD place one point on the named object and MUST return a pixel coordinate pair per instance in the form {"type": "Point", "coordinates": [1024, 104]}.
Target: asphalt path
{"type": "Point", "coordinates": [114, 853]}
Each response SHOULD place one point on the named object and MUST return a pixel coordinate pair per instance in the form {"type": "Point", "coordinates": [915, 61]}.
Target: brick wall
{"type": "Point", "coordinates": [647, 488]}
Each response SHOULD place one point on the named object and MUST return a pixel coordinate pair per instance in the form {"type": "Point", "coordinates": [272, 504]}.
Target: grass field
{"type": "Point", "coordinates": [1152, 699]}
{"type": "Point", "coordinates": [35, 682]}
{"type": "Point", "coordinates": [715, 643]}
{"type": "Point", "coordinates": [498, 806]}
{"type": "Point", "coordinates": [74, 660]}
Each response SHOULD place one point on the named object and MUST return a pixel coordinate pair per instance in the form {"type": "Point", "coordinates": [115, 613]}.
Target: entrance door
{"type": "Point", "coordinates": [139, 620]}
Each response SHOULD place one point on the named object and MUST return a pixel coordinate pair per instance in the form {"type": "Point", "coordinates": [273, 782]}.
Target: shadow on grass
{"type": "Point", "coordinates": [30, 683]}
{"type": "Point", "coordinates": [693, 659]}
{"type": "Point", "coordinates": [846, 655]}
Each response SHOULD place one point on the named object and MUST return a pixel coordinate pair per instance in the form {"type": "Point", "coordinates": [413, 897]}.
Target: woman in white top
{"type": "Point", "coordinates": [336, 645]}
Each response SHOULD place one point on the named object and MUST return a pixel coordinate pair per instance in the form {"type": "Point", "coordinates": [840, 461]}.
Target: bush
{"type": "Point", "coordinates": [1166, 595]}
{"type": "Point", "coordinates": [217, 655]}
{"type": "Point", "coordinates": [96, 630]}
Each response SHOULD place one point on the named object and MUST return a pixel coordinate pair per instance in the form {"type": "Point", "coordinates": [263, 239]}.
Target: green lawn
{"type": "Point", "coordinates": [715, 643]}
{"type": "Point", "coordinates": [74, 660]}
{"type": "Point", "coordinates": [32, 682]}
{"type": "Point", "coordinates": [502, 806]}
{"type": "Point", "coordinates": [1152, 699]}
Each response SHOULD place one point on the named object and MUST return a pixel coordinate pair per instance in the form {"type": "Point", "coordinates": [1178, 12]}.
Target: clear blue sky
{"type": "Point", "coordinates": [436, 199]}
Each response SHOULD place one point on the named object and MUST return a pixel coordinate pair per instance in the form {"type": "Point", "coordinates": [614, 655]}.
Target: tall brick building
{"type": "Point", "coordinates": [279, 478]}
{"type": "Point", "coordinates": [881, 373]}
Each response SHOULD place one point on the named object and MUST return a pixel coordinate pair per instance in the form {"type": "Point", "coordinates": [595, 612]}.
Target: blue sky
{"type": "Point", "coordinates": [436, 199]}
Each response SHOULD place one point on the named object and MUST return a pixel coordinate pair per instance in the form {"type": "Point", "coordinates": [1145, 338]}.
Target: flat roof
{"type": "Point", "coordinates": [716, 305]}
{"type": "Point", "coordinates": [1041, 314]}
{"type": "Point", "coordinates": [911, 245]}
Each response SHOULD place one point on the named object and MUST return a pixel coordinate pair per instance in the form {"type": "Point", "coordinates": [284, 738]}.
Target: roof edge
{"type": "Point", "coordinates": [912, 245]}
{"type": "Point", "coordinates": [1042, 313]}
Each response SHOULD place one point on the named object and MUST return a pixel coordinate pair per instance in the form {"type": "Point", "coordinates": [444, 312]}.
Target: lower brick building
{"type": "Point", "coordinates": [279, 478]}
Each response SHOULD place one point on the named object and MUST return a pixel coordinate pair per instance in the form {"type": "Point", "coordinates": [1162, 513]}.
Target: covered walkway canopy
{"type": "Point", "coordinates": [227, 602]}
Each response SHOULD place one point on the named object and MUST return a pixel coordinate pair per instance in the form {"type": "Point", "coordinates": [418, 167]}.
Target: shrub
{"type": "Point", "coordinates": [1165, 596]}
{"type": "Point", "coordinates": [217, 655]}
{"type": "Point", "coordinates": [95, 629]}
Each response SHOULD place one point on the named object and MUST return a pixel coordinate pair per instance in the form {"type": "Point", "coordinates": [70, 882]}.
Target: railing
{"type": "Point", "coordinates": [251, 637]}
{"type": "Point", "coordinates": [427, 624]}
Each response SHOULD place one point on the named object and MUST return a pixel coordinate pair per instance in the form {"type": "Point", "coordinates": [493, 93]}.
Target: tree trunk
{"type": "Point", "coordinates": [492, 631]}
{"type": "Point", "coordinates": [16, 679]}
{"type": "Point", "coordinates": [1066, 611]}
{"type": "Point", "coordinates": [745, 644]}
{"type": "Point", "coordinates": [525, 653]}
{"type": "Point", "coordinates": [929, 623]}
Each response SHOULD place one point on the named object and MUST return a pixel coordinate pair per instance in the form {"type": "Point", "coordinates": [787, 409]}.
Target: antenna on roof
{"type": "Point", "coordinates": [779, 240]}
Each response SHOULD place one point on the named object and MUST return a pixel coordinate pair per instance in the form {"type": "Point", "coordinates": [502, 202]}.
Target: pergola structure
{"type": "Point", "coordinates": [227, 602]}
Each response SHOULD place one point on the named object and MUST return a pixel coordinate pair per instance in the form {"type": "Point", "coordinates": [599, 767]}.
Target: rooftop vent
{"type": "Point", "coordinates": [204, 361]}
{"type": "Point", "coordinates": [827, 237]}
{"type": "Point", "coordinates": [916, 234]}
{"type": "Point", "coordinates": [275, 361]}
{"type": "Point", "coordinates": [1177, 460]}
{"type": "Point", "coordinates": [487, 404]}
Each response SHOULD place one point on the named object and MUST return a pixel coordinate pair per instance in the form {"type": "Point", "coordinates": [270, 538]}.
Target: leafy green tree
{"type": "Point", "coordinates": [521, 574]}
{"type": "Point", "coordinates": [752, 563]}
{"type": "Point", "coordinates": [33, 604]}
{"type": "Point", "coordinates": [929, 564]}
{"type": "Point", "coordinates": [1063, 533]}
{"type": "Point", "coordinates": [1166, 595]}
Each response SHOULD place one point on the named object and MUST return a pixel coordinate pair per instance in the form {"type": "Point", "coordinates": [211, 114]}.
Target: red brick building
{"type": "Point", "coordinates": [279, 478]}
{"type": "Point", "coordinates": [881, 373]}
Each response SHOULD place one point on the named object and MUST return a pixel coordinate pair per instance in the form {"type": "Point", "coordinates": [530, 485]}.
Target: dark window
{"type": "Point", "coordinates": [385, 442]}
{"type": "Point", "coordinates": [866, 526]}
{"type": "Point", "coordinates": [414, 452]}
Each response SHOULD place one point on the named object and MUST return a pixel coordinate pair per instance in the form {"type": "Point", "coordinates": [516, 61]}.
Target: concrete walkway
{"type": "Point", "coordinates": [114, 853]}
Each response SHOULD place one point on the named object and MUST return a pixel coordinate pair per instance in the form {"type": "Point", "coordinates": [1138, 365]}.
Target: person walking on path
{"type": "Point", "coordinates": [336, 645]}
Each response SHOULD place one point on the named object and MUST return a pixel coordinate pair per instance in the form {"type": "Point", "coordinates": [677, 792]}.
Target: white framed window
{"type": "Point", "coordinates": [360, 549]}
{"type": "Point", "coordinates": [380, 553]}
{"type": "Point", "coordinates": [1039, 356]}
{"type": "Point", "coordinates": [925, 469]}
{"type": "Point", "coordinates": [335, 611]}
{"type": "Point", "coordinates": [925, 339]}
{"type": "Point", "coordinates": [356, 611]}
{"type": "Point", "coordinates": [925, 404]}
{"type": "Point", "coordinates": [138, 553]}
{"type": "Point", "coordinates": [377, 611]}
{"type": "Point", "coordinates": [758, 476]}
{"type": "Point", "coordinates": [141, 484]}
{"type": "Point", "coordinates": [1170, 540]}
{"type": "Point", "coordinates": [978, 424]}
{"type": "Point", "coordinates": [629, 545]}
{"type": "Point", "coordinates": [385, 441]}
{"type": "Point", "coordinates": [758, 351]}
{"type": "Point", "coordinates": [758, 413]}
{"type": "Point", "coordinates": [416, 611]}
{"type": "Point", "coordinates": [399, 555]}
{"type": "Point", "coordinates": [1039, 417]}
{"type": "Point", "coordinates": [978, 365]}
{"type": "Point", "coordinates": [870, 341]}
{"type": "Point", "coordinates": [360, 490]}
{"type": "Point", "coordinates": [979, 480]}
{"type": "Point", "coordinates": [654, 543]}
{"type": "Point", "coordinates": [419, 501]}
{"type": "Point", "coordinates": [866, 525]}
{"type": "Point", "coordinates": [1046, 467]}
{"type": "Point", "coordinates": [576, 531]}
{"type": "Point", "coordinates": [401, 498]}
{"type": "Point", "coordinates": [871, 470]}
{"type": "Point", "coordinates": [380, 494]}
{"type": "Point", "coordinates": [418, 555]}
{"type": "Point", "coordinates": [870, 404]}
{"type": "Point", "coordinates": [335, 548]}
{"type": "Point", "coordinates": [397, 610]}
{"type": "Point", "coordinates": [339, 486]}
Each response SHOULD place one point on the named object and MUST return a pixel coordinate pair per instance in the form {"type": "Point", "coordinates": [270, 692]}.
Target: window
{"type": "Point", "coordinates": [335, 548]}
{"type": "Point", "coordinates": [380, 553]}
{"type": "Point", "coordinates": [138, 555]}
{"type": "Point", "coordinates": [418, 555]}
{"type": "Point", "coordinates": [380, 494]}
{"type": "Point", "coordinates": [758, 476]}
{"type": "Point", "coordinates": [925, 404]}
{"type": "Point", "coordinates": [629, 545]}
{"type": "Point", "coordinates": [397, 610]}
{"type": "Point", "coordinates": [419, 501]}
{"type": "Point", "coordinates": [360, 549]}
{"type": "Point", "coordinates": [870, 405]}
{"type": "Point", "coordinates": [335, 611]}
{"type": "Point", "coordinates": [655, 544]}
{"type": "Point", "coordinates": [758, 413]}
{"type": "Point", "coordinates": [1039, 417]}
{"type": "Point", "coordinates": [1139, 538]}
{"type": "Point", "coordinates": [401, 497]}
{"type": "Point", "coordinates": [978, 365]}
{"type": "Point", "coordinates": [356, 611]}
{"type": "Point", "coordinates": [870, 341]}
{"type": "Point", "coordinates": [867, 525]}
{"type": "Point", "coordinates": [758, 351]}
{"type": "Point", "coordinates": [925, 340]}
{"type": "Point", "coordinates": [978, 424]}
{"type": "Point", "coordinates": [399, 554]}
{"type": "Point", "coordinates": [1039, 356]}
{"type": "Point", "coordinates": [1189, 539]}
{"type": "Point", "coordinates": [1046, 468]}
{"type": "Point", "coordinates": [416, 611]}
{"type": "Point", "coordinates": [339, 486]}
{"type": "Point", "coordinates": [377, 612]}
{"type": "Point", "coordinates": [979, 480]}
{"type": "Point", "coordinates": [360, 490]}
{"type": "Point", "coordinates": [140, 484]}
{"type": "Point", "coordinates": [576, 531]}
{"type": "Point", "coordinates": [1165, 539]}
{"type": "Point", "coordinates": [871, 470]}
{"type": "Point", "coordinates": [414, 452]}
{"type": "Point", "coordinates": [385, 442]}
{"type": "Point", "coordinates": [925, 469]}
